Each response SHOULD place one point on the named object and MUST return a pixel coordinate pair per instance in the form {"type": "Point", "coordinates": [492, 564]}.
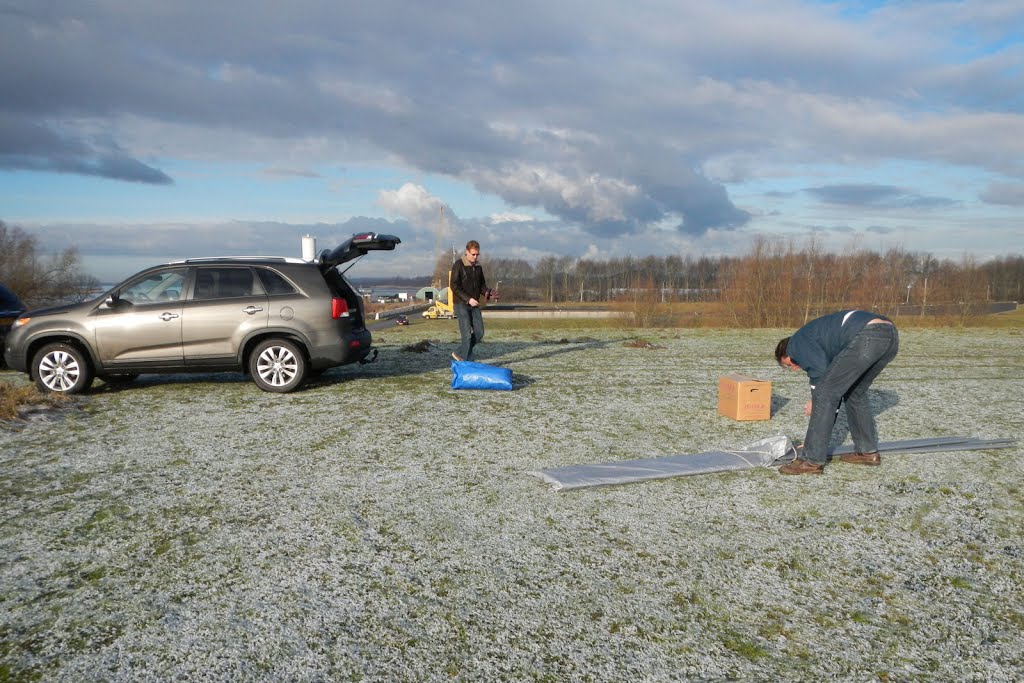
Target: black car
{"type": "Point", "coordinates": [401, 320]}
{"type": "Point", "coordinates": [278, 319]}
{"type": "Point", "coordinates": [10, 308]}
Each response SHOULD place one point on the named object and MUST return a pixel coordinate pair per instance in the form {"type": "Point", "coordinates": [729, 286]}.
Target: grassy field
{"type": "Point", "coordinates": [379, 526]}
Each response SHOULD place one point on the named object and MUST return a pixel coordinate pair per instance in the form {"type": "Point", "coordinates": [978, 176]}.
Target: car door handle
{"type": "Point", "coordinates": [168, 316]}
{"type": "Point", "coordinates": [251, 310]}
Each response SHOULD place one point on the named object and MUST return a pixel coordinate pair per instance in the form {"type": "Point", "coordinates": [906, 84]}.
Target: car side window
{"type": "Point", "coordinates": [156, 287]}
{"type": "Point", "coordinates": [224, 283]}
{"type": "Point", "coordinates": [274, 282]}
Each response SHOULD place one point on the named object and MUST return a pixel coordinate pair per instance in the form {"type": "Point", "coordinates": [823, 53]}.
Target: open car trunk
{"type": "Point", "coordinates": [354, 247]}
{"type": "Point", "coordinates": [351, 249]}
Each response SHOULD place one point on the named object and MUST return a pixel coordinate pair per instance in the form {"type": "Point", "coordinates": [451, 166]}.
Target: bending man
{"type": "Point", "coordinates": [842, 354]}
{"type": "Point", "coordinates": [468, 287]}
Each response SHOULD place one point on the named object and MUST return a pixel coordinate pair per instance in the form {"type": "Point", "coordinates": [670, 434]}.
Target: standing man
{"type": "Point", "coordinates": [468, 288]}
{"type": "Point", "coordinates": [842, 354]}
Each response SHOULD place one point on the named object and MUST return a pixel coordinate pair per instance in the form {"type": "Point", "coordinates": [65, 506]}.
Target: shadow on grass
{"type": "Point", "coordinates": [778, 403]}
{"type": "Point", "coordinates": [881, 401]}
{"type": "Point", "coordinates": [434, 357]}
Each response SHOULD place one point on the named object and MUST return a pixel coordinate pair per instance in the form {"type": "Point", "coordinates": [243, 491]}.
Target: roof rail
{"type": "Point", "coordinates": [208, 259]}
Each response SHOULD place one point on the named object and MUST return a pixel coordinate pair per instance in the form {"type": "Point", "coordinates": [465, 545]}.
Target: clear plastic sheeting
{"type": "Point", "coordinates": [770, 452]}
{"type": "Point", "coordinates": [763, 453]}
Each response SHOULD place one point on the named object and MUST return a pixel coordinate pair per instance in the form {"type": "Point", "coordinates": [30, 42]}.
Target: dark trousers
{"type": "Point", "coordinates": [471, 327]}
{"type": "Point", "coordinates": [847, 380]}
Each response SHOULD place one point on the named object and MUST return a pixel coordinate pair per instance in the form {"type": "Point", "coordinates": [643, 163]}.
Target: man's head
{"type": "Point", "coordinates": [782, 356]}
{"type": "Point", "coordinates": [472, 251]}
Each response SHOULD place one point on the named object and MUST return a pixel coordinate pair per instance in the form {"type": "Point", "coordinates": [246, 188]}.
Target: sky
{"type": "Point", "coordinates": [142, 131]}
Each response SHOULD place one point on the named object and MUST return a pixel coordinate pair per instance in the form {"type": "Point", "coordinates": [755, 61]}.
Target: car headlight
{"type": "Point", "coordinates": [21, 321]}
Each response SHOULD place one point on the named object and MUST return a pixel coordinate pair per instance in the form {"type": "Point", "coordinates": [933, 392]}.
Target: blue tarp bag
{"type": "Point", "coordinates": [469, 375]}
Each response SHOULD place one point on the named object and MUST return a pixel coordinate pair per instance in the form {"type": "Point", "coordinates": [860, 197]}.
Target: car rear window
{"type": "Point", "coordinates": [274, 282]}
{"type": "Point", "coordinates": [223, 283]}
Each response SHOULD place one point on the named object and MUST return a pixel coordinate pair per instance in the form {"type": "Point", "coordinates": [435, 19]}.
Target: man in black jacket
{"type": "Point", "coordinates": [468, 288]}
{"type": "Point", "coordinates": [842, 354]}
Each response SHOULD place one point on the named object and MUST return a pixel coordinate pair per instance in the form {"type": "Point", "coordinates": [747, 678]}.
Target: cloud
{"type": "Point", "coordinates": [1006, 194]}
{"type": "Point", "coordinates": [612, 120]}
{"type": "Point", "coordinates": [413, 203]}
{"type": "Point", "coordinates": [510, 218]}
{"type": "Point", "coordinates": [608, 206]}
{"type": "Point", "coordinates": [29, 146]}
{"type": "Point", "coordinates": [278, 171]}
{"type": "Point", "coordinates": [877, 196]}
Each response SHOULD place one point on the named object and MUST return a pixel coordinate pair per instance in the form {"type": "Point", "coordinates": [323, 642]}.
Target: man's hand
{"type": "Point", "coordinates": [807, 408]}
{"type": "Point", "coordinates": [474, 303]}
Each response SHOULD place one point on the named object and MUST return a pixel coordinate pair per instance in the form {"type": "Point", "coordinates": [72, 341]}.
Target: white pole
{"type": "Point", "coordinates": [308, 248]}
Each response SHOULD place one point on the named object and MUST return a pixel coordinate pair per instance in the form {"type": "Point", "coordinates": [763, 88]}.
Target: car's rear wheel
{"type": "Point", "coordinates": [62, 369]}
{"type": "Point", "coordinates": [278, 365]}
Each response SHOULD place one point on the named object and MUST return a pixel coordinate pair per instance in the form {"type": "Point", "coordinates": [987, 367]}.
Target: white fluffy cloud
{"type": "Point", "coordinates": [413, 203]}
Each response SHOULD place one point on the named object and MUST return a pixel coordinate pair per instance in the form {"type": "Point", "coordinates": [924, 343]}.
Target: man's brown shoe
{"type": "Point", "coordinates": [872, 459]}
{"type": "Point", "coordinates": [799, 466]}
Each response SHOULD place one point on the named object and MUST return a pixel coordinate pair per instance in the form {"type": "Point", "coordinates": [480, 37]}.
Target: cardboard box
{"type": "Point", "coordinates": [744, 398]}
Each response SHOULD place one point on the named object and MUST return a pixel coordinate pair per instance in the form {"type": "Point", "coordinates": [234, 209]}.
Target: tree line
{"type": "Point", "coordinates": [776, 283]}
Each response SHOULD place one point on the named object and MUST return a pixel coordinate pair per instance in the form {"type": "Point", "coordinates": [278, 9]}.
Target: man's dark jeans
{"type": "Point", "coordinates": [847, 379]}
{"type": "Point", "coordinates": [471, 327]}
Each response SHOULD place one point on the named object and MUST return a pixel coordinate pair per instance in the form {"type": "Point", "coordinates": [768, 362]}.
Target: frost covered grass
{"type": "Point", "coordinates": [378, 526]}
{"type": "Point", "coordinates": [21, 398]}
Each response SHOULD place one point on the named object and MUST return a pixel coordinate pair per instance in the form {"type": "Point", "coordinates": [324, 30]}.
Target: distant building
{"type": "Point", "coordinates": [431, 294]}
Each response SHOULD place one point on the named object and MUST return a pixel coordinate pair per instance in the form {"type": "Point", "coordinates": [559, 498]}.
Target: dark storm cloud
{"type": "Point", "coordinates": [28, 146]}
{"type": "Point", "coordinates": [113, 167]}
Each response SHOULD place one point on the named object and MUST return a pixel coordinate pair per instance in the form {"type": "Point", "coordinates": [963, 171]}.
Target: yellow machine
{"type": "Point", "coordinates": [442, 307]}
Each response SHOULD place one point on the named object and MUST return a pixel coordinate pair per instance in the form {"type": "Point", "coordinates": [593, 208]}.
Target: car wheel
{"type": "Point", "coordinates": [62, 369]}
{"type": "Point", "coordinates": [278, 365]}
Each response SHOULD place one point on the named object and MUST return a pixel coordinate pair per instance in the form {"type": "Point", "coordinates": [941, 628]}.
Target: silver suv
{"type": "Point", "coordinates": [278, 319]}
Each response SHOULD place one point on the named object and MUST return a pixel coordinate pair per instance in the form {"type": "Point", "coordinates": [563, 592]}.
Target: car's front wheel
{"type": "Point", "coordinates": [61, 368]}
{"type": "Point", "coordinates": [278, 365]}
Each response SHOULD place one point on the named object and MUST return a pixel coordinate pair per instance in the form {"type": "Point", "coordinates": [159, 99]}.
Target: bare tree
{"type": "Point", "coordinates": [1005, 275]}
{"type": "Point", "coordinates": [515, 275]}
{"type": "Point", "coordinates": [925, 266]}
{"type": "Point", "coordinates": [442, 269]}
{"type": "Point", "coordinates": [546, 273]}
{"type": "Point", "coordinates": [583, 270]}
{"type": "Point", "coordinates": [40, 279]}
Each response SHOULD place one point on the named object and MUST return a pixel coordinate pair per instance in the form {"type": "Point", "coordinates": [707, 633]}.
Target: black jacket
{"type": "Point", "coordinates": [467, 281]}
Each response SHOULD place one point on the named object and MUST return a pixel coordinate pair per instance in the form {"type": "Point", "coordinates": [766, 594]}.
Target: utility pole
{"type": "Point", "coordinates": [439, 238]}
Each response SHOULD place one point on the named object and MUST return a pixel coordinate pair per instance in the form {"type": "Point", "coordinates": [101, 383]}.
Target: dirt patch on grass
{"type": "Point", "coordinates": [19, 401]}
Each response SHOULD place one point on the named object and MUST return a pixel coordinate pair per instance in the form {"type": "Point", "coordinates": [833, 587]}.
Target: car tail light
{"type": "Point", "coordinates": [355, 344]}
{"type": "Point", "coordinates": [339, 308]}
